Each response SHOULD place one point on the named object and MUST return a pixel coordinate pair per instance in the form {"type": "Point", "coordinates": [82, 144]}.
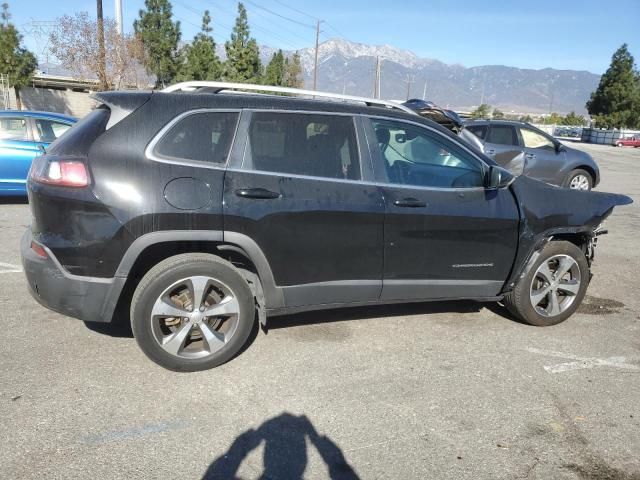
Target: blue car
{"type": "Point", "coordinates": [22, 134]}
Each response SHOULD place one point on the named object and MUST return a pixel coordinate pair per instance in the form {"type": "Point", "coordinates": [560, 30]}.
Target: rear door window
{"type": "Point", "coordinates": [200, 136]}
{"type": "Point", "coordinates": [314, 145]}
{"type": "Point", "coordinates": [13, 128]}
{"type": "Point", "coordinates": [502, 135]}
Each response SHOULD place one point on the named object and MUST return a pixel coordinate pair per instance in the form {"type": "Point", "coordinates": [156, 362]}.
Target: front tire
{"type": "Point", "coordinates": [192, 312]}
{"type": "Point", "coordinates": [579, 179]}
{"type": "Point", "coordinates": [553, 288]}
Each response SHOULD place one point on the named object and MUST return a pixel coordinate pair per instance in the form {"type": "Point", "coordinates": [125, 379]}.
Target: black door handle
{"type": "Point", "coordinates": [257, 193]}
{"type": "Point", "coordinates": [409, 203]}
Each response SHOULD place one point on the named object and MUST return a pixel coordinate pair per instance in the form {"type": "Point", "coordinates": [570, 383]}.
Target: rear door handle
{"type": "Point", "coordinates": [409, 203]}
{"type": "Point", "coordinates": [529, 156]}
{"type": "Point", "coordinates": [489, 151]}
{"type": "Point", "coordinates": [256, 193]}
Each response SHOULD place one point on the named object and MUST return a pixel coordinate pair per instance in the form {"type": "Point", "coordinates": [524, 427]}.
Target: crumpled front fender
{"type": "Point", "coordinates": [547, 210]}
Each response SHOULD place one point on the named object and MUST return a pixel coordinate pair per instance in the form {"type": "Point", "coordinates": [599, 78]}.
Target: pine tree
{"type": "Point", "coordinates": [293, 72]}
{"type": "Point", "coordinates": [243, 55]}
{"type": "Point", "coordinates": [160, 37]}
{"type": "Point", "coordinates": [616, 101]}
{"type": "Point", "coordinates": [199, 60]}
{"type": "Point", "coordinates": [275, 71]}
{"type": "Point", "coordinates": [16, 62]}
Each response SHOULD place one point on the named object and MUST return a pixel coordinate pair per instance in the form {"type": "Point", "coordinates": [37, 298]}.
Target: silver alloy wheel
{"type": "Point", "coordinates": [555, 285]}
{"type": "Point", "coordinates": [195, 317]}
{"type": "Point", "coordinates": [579, 182]}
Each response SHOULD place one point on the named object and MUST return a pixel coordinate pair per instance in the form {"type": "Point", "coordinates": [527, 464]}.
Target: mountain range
{"type": "Point", "coordinates": [349, 67]}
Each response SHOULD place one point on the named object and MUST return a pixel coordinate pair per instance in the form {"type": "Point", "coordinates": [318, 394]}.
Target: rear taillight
{"type": "Point", "coordinates": [63, 172]}
{"type": "Point", "coordinates": [39, 249]}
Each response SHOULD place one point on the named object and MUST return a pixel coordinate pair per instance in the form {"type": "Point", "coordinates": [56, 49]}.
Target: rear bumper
{"type": "Point", "coordinates": [86, 298]}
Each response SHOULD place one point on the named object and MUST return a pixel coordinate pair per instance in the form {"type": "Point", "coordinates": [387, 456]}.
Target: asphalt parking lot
{"type": "Point", "coordinates": [438, 390]}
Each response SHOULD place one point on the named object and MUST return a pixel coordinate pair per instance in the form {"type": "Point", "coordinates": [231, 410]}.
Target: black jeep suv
{"type": "Point", "coordinates": [198, 213]}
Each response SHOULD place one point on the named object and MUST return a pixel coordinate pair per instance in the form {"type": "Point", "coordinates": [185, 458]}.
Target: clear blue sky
{"type": "Point", "coordinates": [569, 34]}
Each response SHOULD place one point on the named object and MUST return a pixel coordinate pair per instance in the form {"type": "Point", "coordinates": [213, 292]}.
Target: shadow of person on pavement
{"type": "Point", "coordinates": [285, 451]}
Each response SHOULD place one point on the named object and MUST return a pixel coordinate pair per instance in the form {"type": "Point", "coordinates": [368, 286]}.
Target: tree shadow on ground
{"type": "Point", "coordinates": [285, 439]}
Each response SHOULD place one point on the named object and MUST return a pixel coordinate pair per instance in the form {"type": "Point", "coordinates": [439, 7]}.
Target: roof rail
{"type": "Point", "coordinates": [216, 87]}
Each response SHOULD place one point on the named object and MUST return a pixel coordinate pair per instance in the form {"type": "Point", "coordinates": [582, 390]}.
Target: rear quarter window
{"type": "Point", "coordinates": [202, 137]}
{"type": "Point", "coordinates": [479, 131]}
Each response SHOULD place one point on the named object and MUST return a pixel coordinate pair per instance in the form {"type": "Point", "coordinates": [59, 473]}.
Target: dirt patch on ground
{"type": "Point", "coordinates": [599, 306]}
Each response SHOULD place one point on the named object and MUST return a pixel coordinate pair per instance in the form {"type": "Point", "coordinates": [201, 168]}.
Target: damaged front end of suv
{"type": "Point", "coordinates": [552, 216]}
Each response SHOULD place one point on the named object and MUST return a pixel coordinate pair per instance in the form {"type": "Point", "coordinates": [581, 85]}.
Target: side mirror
{"type": "Point", "coordinates": [497, 177]}
{"type": "Point", "coordinates": [559, 147]}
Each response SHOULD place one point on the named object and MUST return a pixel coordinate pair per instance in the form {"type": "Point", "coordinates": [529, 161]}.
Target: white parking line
{"type": "Point", "coordinates": [9, 268]}
{"type": "Point", "coordinates": [580, 363]}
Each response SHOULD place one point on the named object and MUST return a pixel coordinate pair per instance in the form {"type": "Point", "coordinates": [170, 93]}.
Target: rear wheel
{"type": "Point", "coordinates": [553, 288]}
{"type": "Point", "coordinates": [192, 312]}
{"type": "Point", "coordinates": [579, 179]}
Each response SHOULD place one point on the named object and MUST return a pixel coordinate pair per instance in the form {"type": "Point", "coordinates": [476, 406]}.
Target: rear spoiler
{"type": "Point", "coordinates": [121, 103]}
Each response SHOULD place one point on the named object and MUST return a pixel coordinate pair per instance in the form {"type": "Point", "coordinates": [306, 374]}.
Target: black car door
{"type": "Point", "coordinates": [445, 235]}
{"type": "Point", "coordinates": [298, 195]}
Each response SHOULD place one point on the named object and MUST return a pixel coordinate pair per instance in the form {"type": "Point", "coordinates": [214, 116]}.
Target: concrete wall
{"type": "Point", "coordinates": [69, 102]}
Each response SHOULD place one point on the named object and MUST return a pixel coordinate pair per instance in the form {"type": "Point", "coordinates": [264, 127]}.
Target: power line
{"type": "Point", "coordinates": [229, 29]}
{"type": "Point", "coordinates": [280, 15]}
{"type": "Point", "coordinates": [296, 10]}
{"type": "Point", "coordinates": [299, 37]}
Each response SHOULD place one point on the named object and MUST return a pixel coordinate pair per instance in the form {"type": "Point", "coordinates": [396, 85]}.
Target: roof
{"type": "Point", "coordinates": [181, 101]}
{"type": "Point", "coordinates": [240, 100]}
{"type": "Point", "coordinates": [35, 113]}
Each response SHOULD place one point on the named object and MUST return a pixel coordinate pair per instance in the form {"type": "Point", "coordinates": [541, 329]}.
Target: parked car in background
{"type": "Point", "coordinates": [629, 142]}
{"type": "Point", "coordinates": [23, 134]}
{"type": "Point", "coordinates": [196, 213]}
{"type": "Point", "coordinates": [442, 116]}
{"type": "Point", "coordinates": [573, 132]}
{"type": "Point", "coordinates": [523, 149]}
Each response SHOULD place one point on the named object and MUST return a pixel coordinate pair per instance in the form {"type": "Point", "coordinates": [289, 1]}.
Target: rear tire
{"type": "Point", "coordinates": [192, 312]}
{"type": "Point", "coordinates": [579, 179]}
{"type": "Point", "coordinates": [532, 299]}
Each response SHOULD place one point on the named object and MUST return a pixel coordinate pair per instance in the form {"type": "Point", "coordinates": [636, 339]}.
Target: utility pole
{"type": "Point", "coordinates": [102, 73]}
{"type": "Point", "coordinates": [409, 81]}
{"type": "Point", "coordinates": [424, 91]}
{"type": "Point", "coordinates": [118, 11]}
{"type": "Point", "coordinates": [315, 63]}
{"type": "Point", "coordinates": [376, 80]}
